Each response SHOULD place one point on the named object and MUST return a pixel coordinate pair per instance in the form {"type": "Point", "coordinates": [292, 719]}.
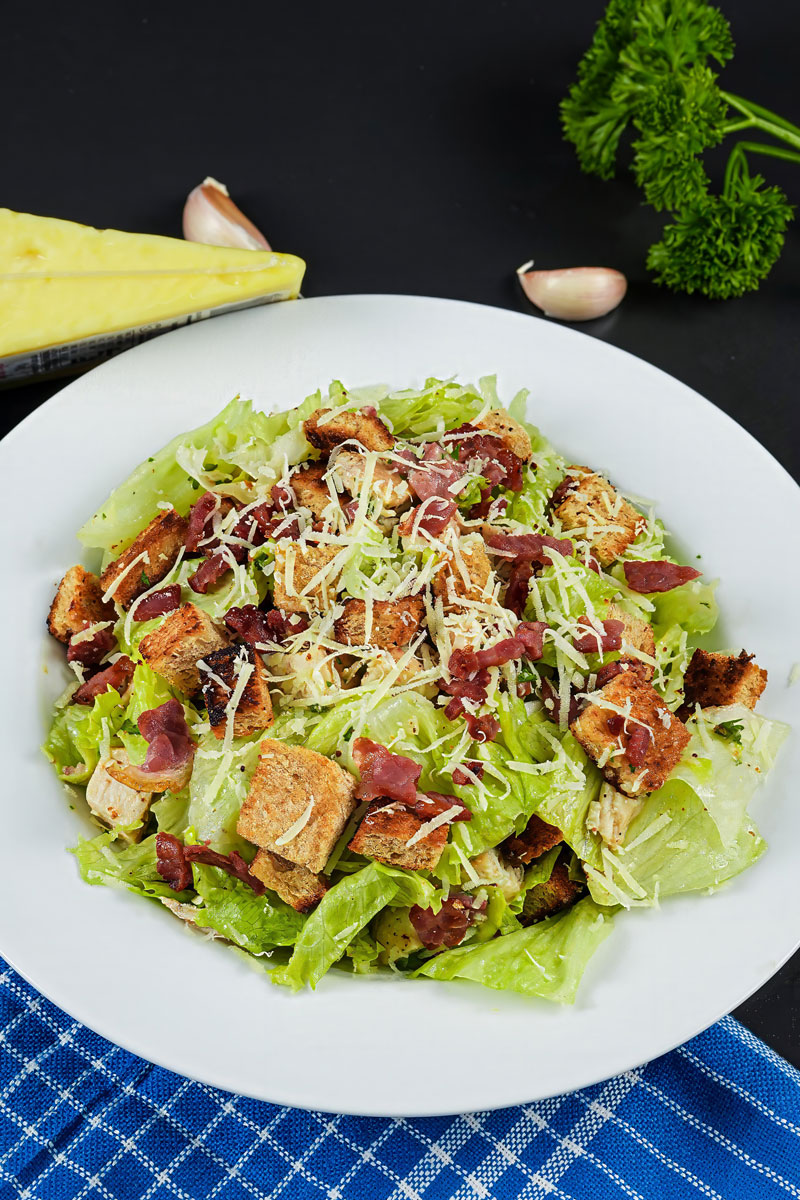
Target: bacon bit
{"type": "Point", "coordinates": [211, 572]}
{"type": "Point", "coordinates": [465, 689]}
{"type": "Point", "coordinates": [170, 746]}
{"type": "Point", "coordinates": [638, 745]}
{"type": "Point", "coordinates": [433, 804]}
{"type": "Point", "coordinates": [529, 547]}
{"type": "Point", "coordinates": [171, 862]}
{"type": "Point", "coordinates": [607, 673]}
{"type": "Point", "coordinates": [501, 652]}
{"type": "Point", "coordinates": [435, 481]}
{"type": "Point", "coordinates": [498, 465]}
{"type": "Point", "coordinates": [350, 509]}
{"type": "Point", "coordinates": [568, 485]}
{"type": "Point", "coordinates": [518, 588]}
{"type": "Point", "coordinates": [591, 563]}
{"type": "Point", "coordinates": [272, 523]}
{"type": "Point", "coordinates": [594, 642]}
{"type": "Point", "coordinates": [257, 627]}
{"type": "Point", "coordinates": [92, 650]}
{"type": "Point", "coordinates": [552, 704]}
{"type": "Point", "coordinates": [282, 497]}
{"type": "Point", "coordinates": [463, 664]}
{"type": "Point", "coordinates": [481, 509]}
{"type": "Point", "coordinates": [449, 926]}
{"type": "Point", "coordinates": [435, 518]}
{"type": "Point", "coordinates": [385, 774]}
{"type": "Point", "coordinates": [482, 729]}
{"type": "Point", "coordinates": [199, 526]}
{"type": "Point", "coordinates": [460, 777]}
{"type": "Point", "coordinates": [117, 676]}
{"type": "Point", "coordinates": [233, 864]}
{"type": "Point", "coordinates": [531, 634]}
{"type": "Point", "coordinates": [657, 576]}
{"type": "Point", "coordinates": [615, 723]}
{"type": "Point", "coordinates": [158, 604]}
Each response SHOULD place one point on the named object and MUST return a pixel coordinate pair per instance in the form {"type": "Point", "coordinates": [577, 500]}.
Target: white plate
{"type": "Point", "coordinates": [385, 1046]}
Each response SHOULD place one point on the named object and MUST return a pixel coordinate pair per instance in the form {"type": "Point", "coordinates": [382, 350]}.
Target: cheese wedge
{"type": "Point", "coordinates": [94, 291]}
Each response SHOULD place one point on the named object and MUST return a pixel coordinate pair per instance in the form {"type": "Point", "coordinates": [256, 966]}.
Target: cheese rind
{"type": "Point", "coordinates": [61, 283]}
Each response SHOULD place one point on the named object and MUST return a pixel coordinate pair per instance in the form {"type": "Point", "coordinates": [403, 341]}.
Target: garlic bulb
{"type": "Point", "coordinates": [210, 216]}
{"type": "Point", "coordinates": [573, 293]}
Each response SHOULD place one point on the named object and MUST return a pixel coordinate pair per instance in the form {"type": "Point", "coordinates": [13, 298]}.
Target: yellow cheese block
{"type": "Point", "coordinates": [61, 282]}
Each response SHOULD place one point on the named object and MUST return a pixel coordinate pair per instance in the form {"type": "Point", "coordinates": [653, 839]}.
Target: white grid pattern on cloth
{"type": "Point", "coordinates": [738, 1090]}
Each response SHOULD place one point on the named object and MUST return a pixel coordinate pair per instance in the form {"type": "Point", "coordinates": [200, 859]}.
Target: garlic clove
{"type": "Point", "coordinates": [210, 216]}
{"type": "Point", "coordinates": [573, 293]}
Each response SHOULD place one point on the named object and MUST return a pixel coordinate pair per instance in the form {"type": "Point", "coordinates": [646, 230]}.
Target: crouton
{"type": "Point", "coordinates": [548, 898]}
{"type": "Point", "coordinates": [115, 803]}
{"type": "Point", "coordinates": [536, 839]}
{"type": "Point", "coordinates": [611, 814]}
{"type": "Point", "coordinates": [596, 513]}
{"type": "Point", "coordinates": [713, 680]}
{"type": "Point", "coordinates": [625, 704]}
{"type": "Point", "coordinates": [78, 603]}
{"type": "Point", "coordinates": [449, 583]}
{"type": "Point", "coordinates": [183, 637]}
{"type": "Point", "coordinates": [219, 673]}
{"type": "Point", "coordinates": [637, 634]}
{"type": "Point", "coordinates": [296, 885]}
{"type": "Point", "coordinates": [387, 484]}
{"type": "Point", "coordinates": [493, 870]}
{"type": "Point", "coordinates": [296, 566]}
{"type": "Point", "coordinates": [394, 622]}
{"type": "Point", "coordinates": [150, 556]}
{"type": "Point", "coordinates": [311, 490]}
{"type": "Point", "coordinates": [385, 833]}
{"type": "Point", "coordinates": [513, 435]}
{"type": "Point", "coordinates": [360, 426]}
{"type": "Point", "coordinates": [298, 804]}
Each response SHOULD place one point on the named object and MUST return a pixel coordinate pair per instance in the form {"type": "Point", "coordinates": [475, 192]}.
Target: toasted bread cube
{"type": "Point", "coordinates": [387, 484]}
{"type": "Point", "coordinates": [394, 622]}
{"type": "Point", "coordinates": [219, 677]}
{"type": "Point", "coordinates": [296, 885]}
{"type": "Point", "coordinates": [298, 804]}
{"type": "Point", "coordinates": [594, 729]}
{"type": "Point", "coordinates": [637, 634]}
{"type": "Point", "coordinates": [311, 490]}
{"type": "Point", "coordinates": [360, 426]}
{"type": "Point", "coordinates": [546, 899]}
{"type": "Point", "coordinates": [536, 839]}
{"type": "Point", "coordinates": [611, 814]}
{"type": "Point", "coordinates": [78, 602]}
{"type": "Point", "coordinates": [714, 679]}
{"type": "Point", "coordinates": [150, 556]}
{"type": "Point", "coordinates": [513, 435]}
{"type": "Point", "coordinates": [115, 803]}
{"type": "Point", "coordinates": [449, 583]}
{"type": "Point", "coordinates": [304, 581]}
{"type": "Point", "coordinates": [596, 512]}
{"type": "Point", "coordinates": [183, 637]}
{"type": "Point", "coordinates": [385, 832]}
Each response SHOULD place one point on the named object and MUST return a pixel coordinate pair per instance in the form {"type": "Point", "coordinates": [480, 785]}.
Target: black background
{"type": "Point", "coordinates": [411, 148]}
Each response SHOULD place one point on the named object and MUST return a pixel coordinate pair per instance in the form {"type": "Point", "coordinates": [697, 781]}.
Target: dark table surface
{"type": "Point", "coordinates": [411, 148]}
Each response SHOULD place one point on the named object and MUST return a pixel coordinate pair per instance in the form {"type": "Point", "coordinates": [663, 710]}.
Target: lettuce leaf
{"type": "Point", "coordinates": [547, 959]}
{"type": "Point", "coordinates": [81, 734]}
{"type": "Point", "coordinates": [216, 790]}
{"type": "Point", "coordinates": [255, 923]}
{"type": "Point", "coordinates": [133, 868]}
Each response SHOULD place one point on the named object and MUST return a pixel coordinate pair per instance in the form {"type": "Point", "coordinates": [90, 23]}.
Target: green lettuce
{"type": "Point", "coordinates": [255, 923]}
{"type": "Point", "coordinates": [438, 405]}
{"type": "Point", "coordinates": [216, 791]}
{"type": "Point", "coordinates": [133, 868]}
{"type": "Point", "coordinates": [81, 734]}
{"type": "Point", "coordinates": [546, 959]}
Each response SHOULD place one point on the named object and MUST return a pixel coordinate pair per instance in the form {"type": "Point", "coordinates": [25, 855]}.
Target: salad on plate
{"type": "Point", "coordinates": [385, 683]}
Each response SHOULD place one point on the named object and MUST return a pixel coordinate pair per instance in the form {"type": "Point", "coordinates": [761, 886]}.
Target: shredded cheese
{"type": "Point", "coordinates": [297, 826]}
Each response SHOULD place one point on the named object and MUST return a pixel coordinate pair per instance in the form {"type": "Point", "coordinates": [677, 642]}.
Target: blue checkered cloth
{"type": "Point", "coordinates": [718, 1118]}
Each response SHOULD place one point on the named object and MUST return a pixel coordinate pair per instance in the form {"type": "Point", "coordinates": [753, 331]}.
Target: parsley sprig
{"type": "Point", "coordinates": [650, 69]}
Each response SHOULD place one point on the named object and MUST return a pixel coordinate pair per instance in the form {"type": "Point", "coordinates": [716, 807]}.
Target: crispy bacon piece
{"type": "Point", "coordinates": [506, 650]}
{"type": "Point", "coordinates": [431, 481]}
{"type": "Point", "coordinates": [607, 673]}
{"type": "Point", "coordinates": [433, 804]}
{"type": "Point", "coordinates": [482, 729]}
{"type": "Point", "coordinates": [615, 723]}
{"type": "Point", "coordinates": [282, 497]}
{"type": "Point", "coordinates": [518, 587]}
{"type": "Point", "coordinates": [498, 465]}
{"type": "Point", "coordinates": [449, 926]}
{"type": "Point", "coordinates": [233, 864]}
{"type": "Point", "coordinates": [436, 515]}
{"type": "Point", "coordinates": [460, 776]}
{"type": "Point", "coordinates": [170, 749]}
{"type": "Point", "coordinates": [464, 689]}
{"type": "Point", "coordinates": [92, 650]}
{"type": "Point", "coordinates": [531, 634]}
{"type": "Point", "coordinates": [657, 576]}
{"type": "Point", "coordinates": [463, 664]}
{"type": "Point", "coordinates": [593, 642]}
{"type": "Point", "coordinates": [158, 604]}
{"type": "Point", "coordinates": [171, 862]}
{"type": "Point", "coordinates": [385, 774]}
{"type": "Point", "coordinates": [552, 704]}
{"type": "Point", "coordinates": [638, 745]}
{"type": "Point", "coordinates": [568, 485]}
{"type": "Point", "coordinates": [529, 547]}
{"type": "Point", "coordinates": [117, 676]}
{"type": "Point", "coordinates": [200, 524]}
{"type": "Point", "coordinates": [256, 627]}
{"type": "Point", "coordinates": [209, 573]}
